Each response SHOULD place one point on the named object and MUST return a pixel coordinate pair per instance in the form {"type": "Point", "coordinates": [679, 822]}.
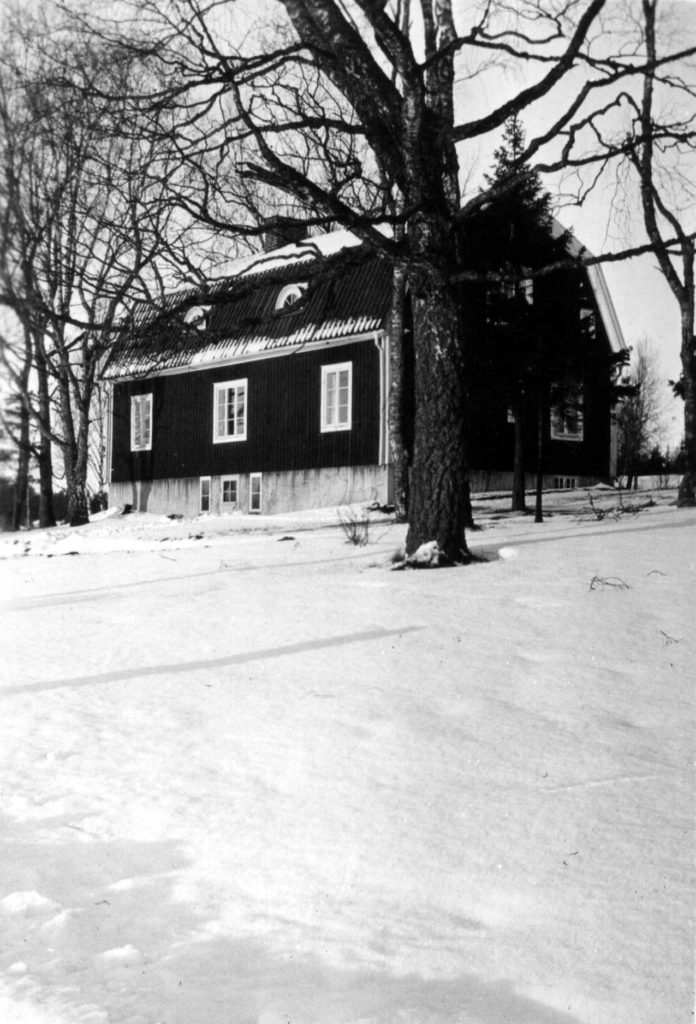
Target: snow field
{"type": "Point", "coordinates": [253, 781]}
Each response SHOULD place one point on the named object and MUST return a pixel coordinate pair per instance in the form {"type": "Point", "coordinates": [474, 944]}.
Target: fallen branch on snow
{"type": "Point", "coordinates": [600, 582]}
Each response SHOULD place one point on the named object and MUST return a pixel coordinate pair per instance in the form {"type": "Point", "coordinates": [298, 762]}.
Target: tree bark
{"type": "Point", "coordinates": [76, 497]}
{"type": "Point", "coordinates": [399, 453]}
{"type": "Point", "coordinates": [45, 459]}
{"type": "Point", "coordinates": [21, 513]}
{"type": "Point", "coordinates": [519, 503]}
{"type": "Point", "coordinates": [686, 496]}
{"type": "Point", "coordinates": [539, 499]}
{"type": "Point", "coordinates": [438, 475]}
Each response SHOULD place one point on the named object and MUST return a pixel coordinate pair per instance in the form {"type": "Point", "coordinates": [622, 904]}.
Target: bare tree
{"type": "Point", "coordinates": [640, 413]}
{"type": "Point", "coordinates": [83, 221]}
{"type": "Point", "coordinates": [673, 242]}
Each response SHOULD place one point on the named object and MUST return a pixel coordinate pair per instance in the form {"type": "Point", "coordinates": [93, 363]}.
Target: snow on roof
{"type": "Point", "coordinates": [599, 287]}
{"type": "Point", "coordinates": [321, 246]}
{"type": "Point", "coordinates": [348, 298]}
{"type": "Point", "coordinates": [352, 304]}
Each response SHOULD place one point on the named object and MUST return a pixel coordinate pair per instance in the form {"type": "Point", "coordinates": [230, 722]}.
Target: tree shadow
{"type": "Point", "coordinates": [242, 658]}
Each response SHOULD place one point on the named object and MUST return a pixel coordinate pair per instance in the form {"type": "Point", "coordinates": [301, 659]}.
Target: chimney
{"type": "Point", "coordinates": [283, 234]}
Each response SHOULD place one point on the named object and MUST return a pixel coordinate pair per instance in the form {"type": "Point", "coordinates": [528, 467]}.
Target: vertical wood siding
{"type": "Point", "coordinates": [283, 414]}
{"type": "Point", "coordinates": [491, 440]}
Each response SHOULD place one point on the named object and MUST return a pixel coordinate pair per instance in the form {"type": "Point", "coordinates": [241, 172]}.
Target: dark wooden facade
{"type": "Point", "coordinates": [571, 316]}
{"type": "Point", "coordinates": [283, 418]}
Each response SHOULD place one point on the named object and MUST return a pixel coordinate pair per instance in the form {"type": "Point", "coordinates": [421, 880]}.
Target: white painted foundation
{"type": "Point", "coordinates": [280, 492]}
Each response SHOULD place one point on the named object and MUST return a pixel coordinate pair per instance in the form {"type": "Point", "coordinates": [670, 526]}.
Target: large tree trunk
{"type": "Point", "coordinates": [438, 476]}
{"type": "Point", "coordinates": [686, 497]}
{"type": "Point", "coordinates": [519, 503]}
{"type": "Point", "coordinates": [398, 449]}
{"type": "Point", "coordinates": [539, 497]}
{"type": "Point", "coordinates": [78, 502]}
{"type": "Point", "coordinates": [46, 511]}
{"type": "Point", "coordinates": [76, 496]}
{"type": "Point", "coordinates": [21, 514]}
{"type": "Point", "coordinates": [45, 459]}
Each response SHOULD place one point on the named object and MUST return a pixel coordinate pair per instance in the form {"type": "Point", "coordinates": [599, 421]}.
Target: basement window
{"type": "Point", "coordinates": [229, 493]}
{"type": "Point", "coordinates": [204, 502]}
{"type": "Point", "coordinates": [141, 423]}
{"type": "Point", "coordinates": [255, 492]}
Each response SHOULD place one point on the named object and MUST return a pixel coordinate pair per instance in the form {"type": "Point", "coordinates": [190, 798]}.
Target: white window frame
{"type": "Point", "coordinates": [136, 425]}
{"type": "Point", "coordinates": [559, 420]}
{"type": "Point", "coordinates": [252, 478]}
{"type": "Point", "coordinates": [205, 480]}
{"type": "Point", "coordinates": [331, 426]}
{"type": "Point", "coordinates": [197, 316]}
{"type": "Point", "coordinates": [221, 389]}
{"type": "Point", "coordinates": [290, 296]}
{"type": "Point", "coordinates": [226, 506]}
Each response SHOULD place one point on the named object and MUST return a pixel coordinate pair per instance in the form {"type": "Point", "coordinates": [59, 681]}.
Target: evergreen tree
{"type": "Point", "coordinates": [513, 236]}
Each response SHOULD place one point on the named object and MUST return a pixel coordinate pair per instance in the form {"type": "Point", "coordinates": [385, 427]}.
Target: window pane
{"type": "Point", "coordinates": [205, 494]}
{"type": "Point", "coordinates": [141, 421]}
{"type": "Point", "coordinates": [239, 422]}
{"type": "Point", "coordinates": [137, 429]}
{"type": "Point", "coordinates": [331, 398]}
{"type": "Point", "coordinates": [221, 397]}
{"type": "Point", "coordinates": [255, 493]}
{"type": "Point", "coordinates": [229, 425]}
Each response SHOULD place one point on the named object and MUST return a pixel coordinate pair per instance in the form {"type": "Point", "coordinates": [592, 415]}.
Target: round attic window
{"type": "Point", "coordinates": [289, 296]}
{"type": "Point", "coordinates": [197, 316]}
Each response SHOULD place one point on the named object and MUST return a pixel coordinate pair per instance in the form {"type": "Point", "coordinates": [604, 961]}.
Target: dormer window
{"type": "Point", "coordinates": [197, 316]}
{"type": "Point", "coordinates": [289, 296]}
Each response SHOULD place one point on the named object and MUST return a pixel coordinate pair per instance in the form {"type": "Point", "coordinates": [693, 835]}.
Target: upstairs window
{"type": "Point", "coordinates": [336, 397]}
{"type": "Point", "coordinates": [197, 316]}
{"type": "Point", "coordinates": [567, 418]}
{"type": "Point", "coordinates": [230, 411]}
{"type": "Point", "coordinates": [141, 423]}
{"type": "Point", "coordinates": [290, 296]}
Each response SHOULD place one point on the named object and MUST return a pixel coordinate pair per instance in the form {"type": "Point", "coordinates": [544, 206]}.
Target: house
{"type": "Point", "coordinates": [573, 347]}
{"type": "Point", "coordinates": [268, 391]}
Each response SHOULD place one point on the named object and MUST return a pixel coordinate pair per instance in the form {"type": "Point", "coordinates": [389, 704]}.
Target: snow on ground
{"type": "Point", "coordinates": [251, 776]}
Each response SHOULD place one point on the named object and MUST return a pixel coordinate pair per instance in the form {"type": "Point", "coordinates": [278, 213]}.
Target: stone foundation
{"type": "Point", "coordinates": [487, 481]}
{"type": "Point", "coordinates": [280, 492]}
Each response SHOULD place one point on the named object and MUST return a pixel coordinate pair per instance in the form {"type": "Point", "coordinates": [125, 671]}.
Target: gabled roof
{"type": "Point", "coordinates": [348, 294]}
{"type": "Point", "coordinates": [599, 287]}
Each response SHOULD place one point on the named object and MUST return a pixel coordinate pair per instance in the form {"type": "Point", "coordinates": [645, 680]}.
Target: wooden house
{"type": "Point", "coordinates": [268, 391]}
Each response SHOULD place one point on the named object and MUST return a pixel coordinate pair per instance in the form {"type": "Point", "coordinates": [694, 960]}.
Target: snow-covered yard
{"type": "Point", "coordinates": [257, 777]}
